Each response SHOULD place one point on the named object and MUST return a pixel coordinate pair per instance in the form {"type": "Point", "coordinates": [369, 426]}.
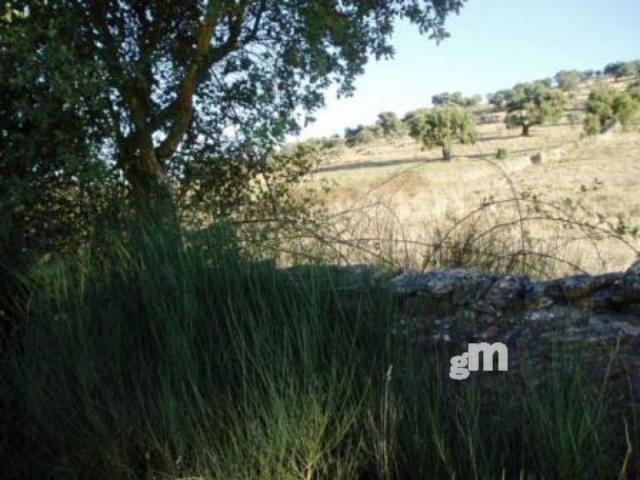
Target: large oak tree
{"type": "Point", "coordinates": [180, 87]}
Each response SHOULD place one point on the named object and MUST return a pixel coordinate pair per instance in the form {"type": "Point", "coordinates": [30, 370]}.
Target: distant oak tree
{"type": "Point", "coordinates": [444, 127]}
{"type": "Point", "coordinates": [606, 106]}
{"type": "Point", "coordinates": [533, 104]}
{"type": "Point", "coordinates": [389, 123]}
{"type": "Point", "coordinates": [455, 98]}
{"type": "Point", "coordinates": [622, 69]}
{"type": "Point", "coordinates": [569, 80]}
{"type": "Point", "coordinates": [500, 98]}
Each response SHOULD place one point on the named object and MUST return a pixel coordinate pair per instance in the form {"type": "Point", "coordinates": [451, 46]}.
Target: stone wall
{"type": "Point", "coordinates": [600, 314]}
{"type": "Point", "coordinates": [597, 316]}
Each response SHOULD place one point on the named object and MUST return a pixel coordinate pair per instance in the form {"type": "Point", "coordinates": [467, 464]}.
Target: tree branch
{"type": "Point", "coordinates": [182, 107]}
{"type": "Point", "coordinates": [203, 59]}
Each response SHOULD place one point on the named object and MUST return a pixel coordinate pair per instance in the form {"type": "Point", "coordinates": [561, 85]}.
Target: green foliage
{"type": "Point", "coordinates": [269, 207]}
{"type": "Point", "coordinates": [500, 98]}
{"type": "Point", "coordinates": [413, 114]}
{"type": "Point", "coordinates": [55, 177]}
{"type": "Point", "coordinates": [361, 135]}
{"type": "Point", "coordinates": [444, 127]}
{"type": "Point", "coordinates": [533, 104]}
{"type": "Point", "coordinates": [545, 82]}
{"type": "Point", "coordinates": [608, 105]}
{"type": "Point", "coordinates": [180, 83]}
{"type": "Point", "coordinates": [569, 80]}
{"type": "Point", "coordinates": [592, 125]}
{"type": "Point", "coordinates": [634, 91]}
{"type": "Point", "coordinates": [502, 153]}
{"type": "Point", "coordinates": [455, 99]}
{"type": "Point", "coordinates": [389, 123]}
{"type": "Point", "coordinates": [622, 69]}
{"type": "Point", "coordinates": [169, 357]}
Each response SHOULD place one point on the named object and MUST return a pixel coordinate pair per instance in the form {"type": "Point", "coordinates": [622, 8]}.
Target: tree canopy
{"type": "Point", "coordinates": [389, 123]}
{"type": "Point", "coordinates": [177, 86]}
{"type": "Point", "coordinates": [500, 98]}
{"type": "Point", "coordinates": [569, 80]}
{"type": "Point", "coordinates": [169, 99]}
{"type": "Point", "coordinates": [455, 98]}
{"type": "Point", "coordinates": [608, 105]}
{"type": "Point", "coordinates": [443, 127]}
{"type": "Point", "coordinates": [533, 104]}
{"type": "Point", "coordinates": [622, 69]}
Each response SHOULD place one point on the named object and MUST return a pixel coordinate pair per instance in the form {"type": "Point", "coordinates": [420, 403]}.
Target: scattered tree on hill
{"type": "Point", "coordinates": [360, 135]}
{"type": "Point", "coordinates": [474, 101]}
{"type": "Point", "coordinates": [545, 82]}
{"type": "Point", "coordinates": [569, 80]}
{"type": "Point", "coordinates": [608, 105]}
{"type": "Point", "coordinates": [533, 104]}
{"type": "Point", "coordinates": [622, 69]}
{"type": "Point", "coordinates": [500, 98]}
{"type": "Point", "coordinates": [389, 123]}
{"type": "Point", "coordinates": [443, 127]}
{"type": "Point", "coordinates": [446, 98]}
{"type": "Point", "coordinates": [455, 98]}
{"type": "Point", "coordinates": [410, 116]}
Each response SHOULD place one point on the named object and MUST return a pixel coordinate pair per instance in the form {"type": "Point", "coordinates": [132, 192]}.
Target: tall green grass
{"type": "Point", "coordinates": [171, 357]}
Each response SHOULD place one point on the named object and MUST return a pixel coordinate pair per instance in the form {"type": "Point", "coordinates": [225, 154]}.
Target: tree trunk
{"type": "Point", "coordinates": [151, 191]}
{"type": "Point", "coordinates": [446, 154]}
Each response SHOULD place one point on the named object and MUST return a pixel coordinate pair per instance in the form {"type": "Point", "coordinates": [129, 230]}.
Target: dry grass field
{"type": "Point", "coordinates": [578, 205]}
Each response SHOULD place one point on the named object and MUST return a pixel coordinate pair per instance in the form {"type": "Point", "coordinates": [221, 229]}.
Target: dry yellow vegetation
{"type": "Point", "coordinates": [579, 205]}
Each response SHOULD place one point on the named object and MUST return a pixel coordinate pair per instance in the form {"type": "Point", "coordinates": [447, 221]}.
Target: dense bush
{"type": "Point", "coordinates": [634, 90]}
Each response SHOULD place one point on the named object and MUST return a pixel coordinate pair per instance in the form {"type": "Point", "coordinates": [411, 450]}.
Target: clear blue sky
{"type": "Point", "coordinates": [494, 44]}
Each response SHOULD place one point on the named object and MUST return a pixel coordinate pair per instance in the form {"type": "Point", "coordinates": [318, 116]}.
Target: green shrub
{"type": "Point", "coordinates": [592, 125]}
{"type": "Point", "coordinates": [502, 154]}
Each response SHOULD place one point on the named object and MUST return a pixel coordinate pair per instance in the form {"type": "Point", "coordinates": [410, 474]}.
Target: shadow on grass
{"type": "Point", "coordinates": [376, 164]}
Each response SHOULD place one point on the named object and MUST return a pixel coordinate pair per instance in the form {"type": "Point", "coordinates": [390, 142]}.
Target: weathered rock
{"type": "Point", "coordinates": [598, 314]}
